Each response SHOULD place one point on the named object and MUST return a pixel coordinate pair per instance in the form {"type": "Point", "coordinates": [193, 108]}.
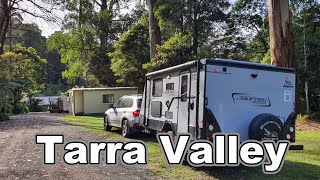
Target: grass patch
{"type": "Point", "coordinates": [302, 117]}
{"type": "Point", "coordinates": [298, 165]}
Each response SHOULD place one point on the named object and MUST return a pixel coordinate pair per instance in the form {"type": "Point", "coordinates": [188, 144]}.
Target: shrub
{"type": "Point", "coordinates": [4, 116]}
{"type": "Point", "coordinates": [315, 116]}
{"type": "Point", "coordinates": [25, 109]}
{"type": "Point", "coordinates": [302, 117]}
{"type": "Point", "coordinates": [35, 107]}
{"type": "Point", "coordinates": [20, 109]}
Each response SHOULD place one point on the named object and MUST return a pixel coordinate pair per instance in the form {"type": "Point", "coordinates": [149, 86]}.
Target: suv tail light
{"type": "Point", "coordinates": [136, 113]}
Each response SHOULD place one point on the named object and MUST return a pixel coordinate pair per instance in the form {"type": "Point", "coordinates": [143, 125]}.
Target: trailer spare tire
{"type": "Point", "coordinates": [265, 127]}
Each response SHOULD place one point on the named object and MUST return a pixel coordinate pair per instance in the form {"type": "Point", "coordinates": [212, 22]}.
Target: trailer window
{"type": "Point", "coordinates": [157, 88]}
{"type": "Point", "coordinates": [156, 109]}
{"type": "Point", "coordinates": [169, 86]}
{"type": "Point", "coordinates": [184, 88]}
{"type": "Point", "coordinates": [107, 98]}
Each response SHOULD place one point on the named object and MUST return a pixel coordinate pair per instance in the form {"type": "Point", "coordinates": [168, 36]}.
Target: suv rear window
{"type": "Point", "coordinates": [139, 103]}
{"type": "Point", "coordinates": [127, 102]}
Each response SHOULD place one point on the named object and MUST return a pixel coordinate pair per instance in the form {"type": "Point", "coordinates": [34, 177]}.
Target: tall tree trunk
{"type": "Point", "coordinates": [281, 39]}
{"type": "Point", "coordinates": [10, 33]}
{"type": "Point", "coordinates": [103, 35]}
{"type": "Point", "coordinates": [3, 34]}
{"type": "Point", "coordinates": [80, 14]}
{"type": "Point", "coordinates": [4, 22]}
{"type": "Point", "coordinates": [154, 29]}
{"type": "Point", "coordinates": [195, 35]}
{"type": "Point", "coordinates": [306, 87]}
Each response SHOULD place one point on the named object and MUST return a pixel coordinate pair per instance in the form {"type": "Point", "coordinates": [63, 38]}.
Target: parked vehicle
{"type": "Point", "coordinates": [213, 95]}
{"type": "Point", "coordinates": [63, 103]}
{"type": "Point", "coordinates": [124, 114]}
{"type": "Point", "coordinates": [59, 105]}
{"type": "Point", "coordinates": [55, 107]}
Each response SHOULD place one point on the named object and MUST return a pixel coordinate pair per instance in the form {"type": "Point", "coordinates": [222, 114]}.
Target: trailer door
{"type": "Point", "coordinates": [183, 114]}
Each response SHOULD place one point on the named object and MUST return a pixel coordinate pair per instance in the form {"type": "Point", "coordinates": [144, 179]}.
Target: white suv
{"type": "Point", "coordinates": [124, 114]}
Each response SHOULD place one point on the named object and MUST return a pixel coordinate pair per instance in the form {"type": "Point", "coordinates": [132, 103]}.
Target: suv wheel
{"type": "Point", "coordinates": [125, 128]}
{"type": "Point", "coordinates": [106, 126]}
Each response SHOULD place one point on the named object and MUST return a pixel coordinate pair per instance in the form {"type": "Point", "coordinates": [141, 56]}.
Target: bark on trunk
{"type": "Point", "coordinates": [4, 22]}
{"type": "Point", "coordinates": [281, 39]}
{"type": "Point", "coordinates": [306, 87]}
{"type": "Point", "coordinates": [154, 29]}
{"type": "Point", "coordinates": [103, 35]}
{"type": "Point", "coordinates": [3, 35]}
{"type": "Point", "coordinates": [195, 35]}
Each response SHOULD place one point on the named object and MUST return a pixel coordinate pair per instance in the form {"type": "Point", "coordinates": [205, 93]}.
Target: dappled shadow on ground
{"type": "Point", "coordinates": [145, 137]}
{"type": "Point", "coordinates": [290, 169]}
{"type": "Point", "coordinates": [31, 120]}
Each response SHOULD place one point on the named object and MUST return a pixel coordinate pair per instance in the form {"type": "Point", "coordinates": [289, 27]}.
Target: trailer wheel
{"type": "Point", "coordinates": [125, 129]}
{"type": "Point", "coordinates": [106, 125]}
{"type": "Point", "coordinates": [265, 127]}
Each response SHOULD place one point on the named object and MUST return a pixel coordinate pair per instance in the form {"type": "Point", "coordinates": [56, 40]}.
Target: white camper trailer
{"type": "Point", "coordinates": [209, 96]}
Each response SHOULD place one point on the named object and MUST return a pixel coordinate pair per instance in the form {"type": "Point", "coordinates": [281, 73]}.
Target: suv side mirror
{"type": "Point", "coordinates": [111, 106]}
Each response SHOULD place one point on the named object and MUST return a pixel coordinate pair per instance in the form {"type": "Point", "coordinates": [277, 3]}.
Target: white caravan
{"type": "Point", "coordinates": [213, 95]}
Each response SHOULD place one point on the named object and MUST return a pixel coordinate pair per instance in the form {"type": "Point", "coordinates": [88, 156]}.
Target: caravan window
{"type": "Point", "coordinates": [184, 88]}
{"type": "Point", "coordinates": [107, 98]}
{"type": "Point", "coordinates": [157, 88]}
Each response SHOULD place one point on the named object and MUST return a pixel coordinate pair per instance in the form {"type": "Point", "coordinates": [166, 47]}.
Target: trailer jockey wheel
{"type": "Point", "coordinates": [265, 127]}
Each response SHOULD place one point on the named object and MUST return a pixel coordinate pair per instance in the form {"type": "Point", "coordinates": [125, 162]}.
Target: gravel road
{"type": "Point", "coordinates": [21, 158]}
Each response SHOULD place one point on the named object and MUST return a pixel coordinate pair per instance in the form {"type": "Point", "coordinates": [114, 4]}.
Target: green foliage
{"type": "Point", "coordinates": [306, 28]}
{"type": "Point", "coordinates": [131, 52]}
{"type": "Point", "coordinates": [35, 107]}
{"type": "Point", "coordinates": [73, 53]}
{"type": "Point", "coordinates": [29, 35]}
{"type": "Point", "coordinates": [21, 108]}
{"type": "Point", "coordinates": [197, 18]}
{"type": "Point", "coordinates": [176, 50]}
{"type": "Point", "coordinates": [53, 90]}
{"type": "Point", "coordinates": [267, 58]}
{"type": "Point", "coordinates": [4, 116]}
{"type": "Point", "coordinates": [91, 30]}
{"type": "Point", "coordinates": [24, 68]}
{"type": "Point", "coordinates": [250, 14]}
{"type": "Point", "coordinates": [101, 45]}
{"type": "Point", "coordinates": [248, 25]}
{"type": "Point", "coordinates": [5, 107]}
{"type": "Point", "coordinates": [24, 72]}
{"type": "Point", "coordinates": [301, 117]}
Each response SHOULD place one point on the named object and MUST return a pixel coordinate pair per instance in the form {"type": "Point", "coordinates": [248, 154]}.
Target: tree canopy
{"type": "Point", "coordinates": [115, 43]}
